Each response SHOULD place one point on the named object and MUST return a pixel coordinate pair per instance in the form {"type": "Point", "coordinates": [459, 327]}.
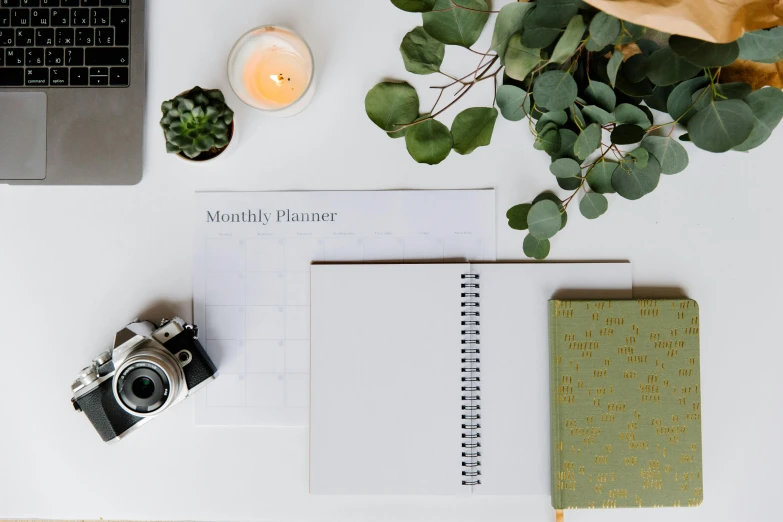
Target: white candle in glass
{"type": "Point", "coordinates": [271, 68]}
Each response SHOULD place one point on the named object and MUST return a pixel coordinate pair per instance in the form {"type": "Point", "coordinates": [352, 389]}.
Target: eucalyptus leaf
{"type": "Point", "coordinates": [454, 26]}
{"type": "Point", "coordinates": [421, 53]}
{"type": "Point", "coordinates": [602, 95]}
{"type": "Point", "coordinates": [567, 139]}
{"type": "Point", "coordinates": [535, 248]}
{"type": "Point", "coordinates": [627, 134]}
{"type": "Point", "coordinates": [548, 140]}
{"type": "Point", "coordinates": [634, 183]}
{"type": "Point", "coordinates": [685, 137]}
{"type": "Point", "coordinates": [517, 216]}
{"type": "Point", "coordinates": [647, 46]}
{"type": "Point", "coordinates": [723, 91]}
{"type": "Point", "coordinates": [721, 126]}
{"type": "Point", "coordinates": [635, 68]}
{"type": "Point", "coordinates": [429, 141]}
{"type": "Point", "coordinates": [536, 37]}
{"type": "Point", "coordinates": [391, 104]}
{"type": "Point", "coordinates": [414, 6]}
{"type": "Point", "coordinates": [520, 60]}
{"type": "Point", "coordinates": [672, 156]}
{"type": "Point", "coordinates": [627, 113]}
{"type": "Point", "coordinates": [577, 117]}
{"type": "Point", "coordinates": [552, 14]}
{"type": "Point", "coordinates": [544, 219]}
{"type": "Point", "coordinates": [593, 205]}
{"type": "Point", "coordinates": [635, 90]}
{"type": "Point", "coordinates": [557, 117]}
{"type": "Point", "coordinates": [604, 29]}
{"type": "Point", "coordinates": [565, 168]}
{"type": "Point", "coordinates": [599, 177]}
{"type": "Point", "coordinates": [767, 107]}
{"type": "Point", "coordinates": [567, 44]}
{"type": "Point", "coordinates": [597, 115]}
{"type": "Point", "coordinates": [614, 66]}
{"type": "Point", "coordinates": [761, 45]}
{"type": "Point", "coordinates": [639, 157]}
{"type": "Point", "coordinates": [588, 141]}
{"type": "Point", "coordinates": [665, 67]}
{"type": "Point", "coordinates": [704, 54]}
{"type": "Point", "coordinates": [555, 90]}
{"type": "Point", "coordinates": [514, 103]}
{"type": "Point", "coordinates": [629, 32]}
{"type": "Point", "coordinates": [472, 128]}
{"type": "Point", "coordinates": [569, 183]}
{"type": "Point", "coordinates": [509, 22]}
{"type": "Point", "coordinates": [548, 196]}
{"type": "Point", "coordinates": [679, 102]}
{"type": "Point", "coordinates": [657, 100]}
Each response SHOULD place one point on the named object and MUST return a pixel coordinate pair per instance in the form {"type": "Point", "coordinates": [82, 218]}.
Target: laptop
{"type": "Point", "coordinates": [72, 89]}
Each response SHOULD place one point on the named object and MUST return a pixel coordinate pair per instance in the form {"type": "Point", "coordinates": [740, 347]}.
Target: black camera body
{"type": "Point", "coordinates": [149, 370]}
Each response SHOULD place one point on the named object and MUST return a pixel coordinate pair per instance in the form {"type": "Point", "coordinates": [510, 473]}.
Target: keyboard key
{"type": "Point", "coordinates": [39, 17]}
{"type": "Point", "coordinates": [69, 3]}
{"type": "Point", "coordinates": [120, 19]}
{"type": "Point", "coordinates": [55, 57]}
{"type": "Point", "coordinates": [99, 81]}
{"type": "Point", "coordinates": [20, 17]}
{"type": "Point", "coordinates": [36, 76]}
{"type": "Point", "coordinates": [14, 57]}
{"type": "Point", "coordinates": [74, 57]}
{"type": "Point", "coordinates": [6, 37]}
{"type": "Point", "coordinates": [115, 2]}
{"type": "Point", "coordinates": [50, 3]}
{"type": "Point", "coordinates": [9, 3]}
{"type": "Point", "coordinates": [104, 36]}
{"type": "Point", "coordinates": [106, 56]}
{"type": "Point", "coordinates": [99, 16]}
{"type": "Point", "coordinates": [99, 71]}
{"type": "Point", "coordinates": [11, 77]}
{"type": "Point", "coordinates": [91, 3]}
{"type": "Point", "coordinates": [5, 17]}
{"type": "Point", "coordinates": [80, 17]}
{"type": "Point", "coordinates": [65, 37]}
{"type": "Point", "coordinates": [60, 17]}
{"type": "Point", "coordinates": [119, 76]}
{"type": "Point", "coordinates": [2, 57]}
{"type": "Point", "coordinates": [34, 57]}
{"type": "Point", "coordinates": [30, 3]}
{"type": "Point", "coordinates": [58, 77]}
{"type": "Point", "coordinates": [25, 37]}
{"type": "Point", "coordinates": [85, 37]}
{"type": "Point", "coordinates": [79, 76]}
{"type": "Point", "coordinates": [44, 37]}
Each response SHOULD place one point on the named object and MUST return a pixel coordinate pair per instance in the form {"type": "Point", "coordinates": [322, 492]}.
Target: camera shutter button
{"type": "Point", "coordinates": [102, 358]}
{"type": "Point", "coordinates": [87, 375]}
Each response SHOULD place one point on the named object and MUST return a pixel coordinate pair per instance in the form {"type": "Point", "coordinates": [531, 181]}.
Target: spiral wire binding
{"type": "Point", "coordinates": [471, 381]}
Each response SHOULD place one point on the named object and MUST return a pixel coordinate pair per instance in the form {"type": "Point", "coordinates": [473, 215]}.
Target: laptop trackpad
{"type": "Point", "coordinates": [22, 135]}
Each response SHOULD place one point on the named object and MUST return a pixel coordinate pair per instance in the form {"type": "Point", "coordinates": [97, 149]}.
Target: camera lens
{"type": "Point", "coordinates": [143, 387]}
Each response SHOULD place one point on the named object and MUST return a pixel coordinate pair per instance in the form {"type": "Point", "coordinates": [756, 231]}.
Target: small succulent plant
{"type": "Point", "coordinates": [197, 122]}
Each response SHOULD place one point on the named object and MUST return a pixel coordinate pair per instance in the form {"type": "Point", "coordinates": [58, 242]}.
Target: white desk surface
{"type": "Point", "coordinates": [76, 263]}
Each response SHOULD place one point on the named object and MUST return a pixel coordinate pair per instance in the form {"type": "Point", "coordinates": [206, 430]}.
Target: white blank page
{"type": "Point", "coordinates": [385, 379]}
{"type": "Point", "coordinates": [515, 363]}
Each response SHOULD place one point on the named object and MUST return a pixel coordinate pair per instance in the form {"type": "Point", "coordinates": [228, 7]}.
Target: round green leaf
{"type": "Point", "coordinates": [429, 141]}
{"type": "Point", "coordinates": [535, 248]}
{"type": "Point", "coordinates": [627, 113]}
{"type": "Point", "coordinates": [539, 37]}
{"type": "Point", "coordinates": [390, 104]}
{"type": "Point", "coordinates": [721, 126]}
{"type": "Point", "coordinates": [599, 178]}
{"type": "Point", "coordinates": [544, 219]}
{"type": "Point", "coordinates": [548, 196]}
{"type": "Point", "coordinates": [725, 91]}
{"type": "Point", "coordinates": [565, 168]}
{"type": "Point", "coordinates": [635, 68]}
{"type": "Point", "coordinates": [414, 6]}
{"type": "Point", "coordinates": [588, 141]}
{"type": "Point", "coordinates": [577, 117]}
{"type": "Point", "coordinates": [636, 90]}
{"type": "Point", "coordinates": [704, 54]}
{"type": "Point", "coordinates": [514, 103]}
{"type": "Point", "coordinates": [671, 155]}
{"type": "Point", "coordinates": [569, 183]}
{"type": "Point", "coordinates": [665, 67]}
{"type": "Point", "coordinates": [548, 140]}
{"type": "Point", "coordinates": [613, 66]}
{"type": "Point", "coordinates": [593, 205]}
{"type": "Point", "coordinates": [629, 33]}
{"type": "Point", "coordinates": [647, 46]}
{"type": "Point", "coordinates": [679, 103]}
{"type": "Point", "coordinates": [557, 117]}
{"type": "Point", "coordinates": [604, 29]}
{"type": "Point", "coordinates": [520, 60]}
{"type": "Point", "coordinates": [552, 14]}
{"type": "Point", "coordinates": [454, 26]}
{"type": "Point", "coordinates": [421, 53]}
{"type": "Point", "coordinates": [472, 128]}
{"type": "Point", "coordinates": [639, 157]}
{"type": "Point", "coordinates": [657, 100]}
{"type": "Point", "coordinates": [555, 90]}
{"type": "Point", "coordinates": [509, 22]}
{"type": "Point", "coordinates": [517, 216]}
{"type": "Point", "coordinates": [627, 134]}
{"type": "Point", "coordinates": [570, 40]}
{"type": "Point", "coordinates": [597, 115]}
{"type": "Point", "coordinates": [633, 183]}
{"type": "Point", "coordinates": [767, 107]}
{"type": "Point", "coordinates": [566, 149]}
{"type": "Point", "coordinates": [602, 95]}
{"type": "Point", "coordinates": [761, 45]}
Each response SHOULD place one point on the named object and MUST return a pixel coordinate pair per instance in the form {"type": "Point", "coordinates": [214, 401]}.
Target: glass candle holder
{"type": "Point", "coordinates": [271, 69]}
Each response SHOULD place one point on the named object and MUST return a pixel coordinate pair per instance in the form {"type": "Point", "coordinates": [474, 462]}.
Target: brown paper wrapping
{"type": "Point", "coordinates": [710, 20]}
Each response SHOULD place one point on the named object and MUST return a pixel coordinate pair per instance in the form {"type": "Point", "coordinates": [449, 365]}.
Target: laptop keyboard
{"type": "Point", "coordinates": [64, 43]}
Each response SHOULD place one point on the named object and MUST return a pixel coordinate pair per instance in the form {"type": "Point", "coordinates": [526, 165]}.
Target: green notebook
{"type": "Point", "coordinates": [625, 403]}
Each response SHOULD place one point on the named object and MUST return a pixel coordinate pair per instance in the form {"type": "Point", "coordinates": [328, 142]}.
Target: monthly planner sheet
{"type": "Point", "coordinates": [252, 279]}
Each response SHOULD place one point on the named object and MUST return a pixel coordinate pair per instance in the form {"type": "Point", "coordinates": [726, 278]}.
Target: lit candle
{"type": "Point", "coordinates": [271, 68]}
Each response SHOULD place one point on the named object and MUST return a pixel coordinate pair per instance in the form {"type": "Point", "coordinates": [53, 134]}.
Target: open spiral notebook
{"type": "Point", "coordinates": [434, 379]}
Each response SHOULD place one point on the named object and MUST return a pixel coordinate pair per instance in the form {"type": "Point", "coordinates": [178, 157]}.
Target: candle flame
{"type": "Point", "coordinates": [277, 78]}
